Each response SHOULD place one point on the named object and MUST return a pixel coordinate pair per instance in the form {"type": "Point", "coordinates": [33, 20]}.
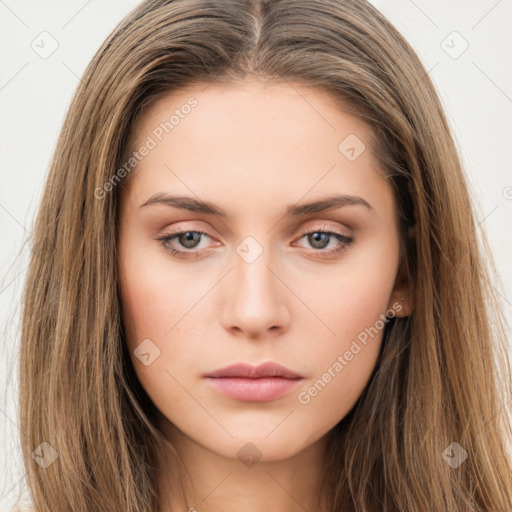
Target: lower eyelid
{"type": "Point", "coordinates": [343, 241]}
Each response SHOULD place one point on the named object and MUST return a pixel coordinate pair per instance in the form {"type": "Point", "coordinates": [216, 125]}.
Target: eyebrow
{"type": "Point", "coordinates": [196, 205]}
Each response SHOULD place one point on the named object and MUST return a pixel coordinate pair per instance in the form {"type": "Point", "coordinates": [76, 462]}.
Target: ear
{"type": "Point", "coordinates": [401, 300]}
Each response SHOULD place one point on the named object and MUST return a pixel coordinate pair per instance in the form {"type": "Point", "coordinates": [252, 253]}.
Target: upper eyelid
{"type": "Point", "coordinates": [320, 225]}
{"type": "Point", "coordinates": [298, 236]}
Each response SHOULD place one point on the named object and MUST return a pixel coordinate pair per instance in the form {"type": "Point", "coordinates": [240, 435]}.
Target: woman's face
{"type": "Point", "coordinates": [262, 284]}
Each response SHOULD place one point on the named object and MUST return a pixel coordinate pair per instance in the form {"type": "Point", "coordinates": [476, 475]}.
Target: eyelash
{"type": "Point", "coordinates": [345, 241]}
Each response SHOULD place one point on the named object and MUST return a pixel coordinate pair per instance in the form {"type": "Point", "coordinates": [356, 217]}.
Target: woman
{"type": "Point", "coordinates": [256, 280]}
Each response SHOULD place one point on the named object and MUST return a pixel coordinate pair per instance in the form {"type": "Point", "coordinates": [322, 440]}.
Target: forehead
{"type": "Point", "coordinates": [280, 140]}
{"type": "Point", "coordinates": [247, 108]}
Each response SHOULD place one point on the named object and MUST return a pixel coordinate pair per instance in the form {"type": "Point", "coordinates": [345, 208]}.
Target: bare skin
{"type": "Point", "coordinates": [255, 149]}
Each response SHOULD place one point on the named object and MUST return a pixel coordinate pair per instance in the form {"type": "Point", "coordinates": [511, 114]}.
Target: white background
{"type": "Point", "coordinates": [475, 88]}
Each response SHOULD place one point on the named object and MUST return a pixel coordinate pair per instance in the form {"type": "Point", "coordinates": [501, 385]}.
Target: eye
{"type": "Point", "coordinates": [320, 239]}
{"type": "Point", "coordinates": [187, 239]}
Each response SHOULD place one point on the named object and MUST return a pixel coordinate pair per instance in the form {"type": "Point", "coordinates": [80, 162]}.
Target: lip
{"type": "Point", "coordinates": [245, 370]}
{"type": "Point", "coordinates": [243, 381]}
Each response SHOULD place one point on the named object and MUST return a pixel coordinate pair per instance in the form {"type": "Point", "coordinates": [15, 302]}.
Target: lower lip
{"type": "Point", "coordinates": [253, 390]}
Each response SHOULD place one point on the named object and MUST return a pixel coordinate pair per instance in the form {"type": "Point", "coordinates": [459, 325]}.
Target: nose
{"type": "Point", "coordinates": [256, 299]}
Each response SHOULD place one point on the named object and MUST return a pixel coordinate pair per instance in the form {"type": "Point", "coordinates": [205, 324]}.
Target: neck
{"type": "Point", "coordinates": [247, 481]}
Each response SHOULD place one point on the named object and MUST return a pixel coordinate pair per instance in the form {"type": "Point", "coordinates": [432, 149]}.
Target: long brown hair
{"type": "Point", "coordinates": [442, 376]}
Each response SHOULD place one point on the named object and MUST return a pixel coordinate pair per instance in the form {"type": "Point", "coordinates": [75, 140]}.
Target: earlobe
{"type": "Point", "coordinates": [401, 302]}
{"type": "Point", "coordinates": [402, 297]}
{"type": "Point", "coordinates": [404, 306]}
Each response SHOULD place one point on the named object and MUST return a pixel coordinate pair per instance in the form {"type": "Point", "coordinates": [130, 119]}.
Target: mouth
{"type": "Point", "coordinates": [261, 383]}
{"type": "Point", "coordinates": [253, 390]}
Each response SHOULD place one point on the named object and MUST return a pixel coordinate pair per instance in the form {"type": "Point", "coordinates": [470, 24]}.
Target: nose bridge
{"type": "Point", "coordinates": [256, 300]}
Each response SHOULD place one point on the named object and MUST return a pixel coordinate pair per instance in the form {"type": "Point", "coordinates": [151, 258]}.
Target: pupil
{"type": "Point", "coordinates": [317, 238]}
{"type": "Point", "coordinates": [190, 237]}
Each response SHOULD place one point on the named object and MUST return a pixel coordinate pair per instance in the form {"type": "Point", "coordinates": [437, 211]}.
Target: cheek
{"type": "Point", "coordinates": [353, 298]}
{"type": "Point", "coordinates": [353, 305]}
{"type": "Point", "coordinates": [154, 294]}
{"type": "Point", "coordinates": [159, 304]}
{"type": "Point", "coordinates": [149, 303]}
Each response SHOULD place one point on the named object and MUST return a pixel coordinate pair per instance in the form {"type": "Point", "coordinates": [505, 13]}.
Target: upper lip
{"type": "Point", "coordinates": [269, 369]}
